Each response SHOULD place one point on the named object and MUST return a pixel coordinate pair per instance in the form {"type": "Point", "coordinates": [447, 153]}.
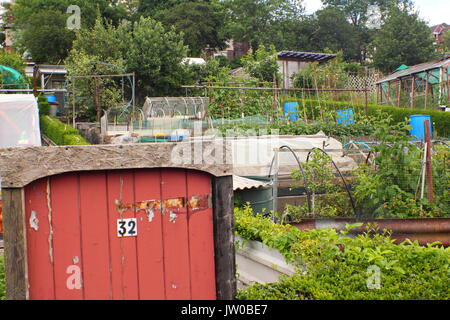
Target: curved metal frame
{"type": "Point", "coordinates": [308, 195]}
{"type": "Point", "coordinates": [340, 174]}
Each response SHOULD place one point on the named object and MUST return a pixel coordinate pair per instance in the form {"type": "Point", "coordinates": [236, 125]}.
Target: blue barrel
{"type": "Point", "coordinates": [345, 117]}
{"type": "Point", "coordinates": [51, 98]}
{"type": "Point", "coordinates": [418, 126]}
{"type": "Point", "coordinates": [291, 110]}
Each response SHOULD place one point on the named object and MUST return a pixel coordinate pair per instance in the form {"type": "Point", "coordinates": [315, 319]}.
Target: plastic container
{"type": "Point", "coordinates": [51, 98]}
{"type": "Point", "coordinates": [418, 126]}
{"type": "Point", "coordinates": [291, 110]}
{"type": "Point", "coordinates": [345, 117]}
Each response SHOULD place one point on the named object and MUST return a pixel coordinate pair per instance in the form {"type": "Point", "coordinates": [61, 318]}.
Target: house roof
{"type": "Point", "coordinates": [306, 56]}
{"type": "Point", "coordinates": [427, 66]}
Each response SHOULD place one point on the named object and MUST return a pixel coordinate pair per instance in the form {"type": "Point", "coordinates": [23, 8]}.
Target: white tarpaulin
{"type": "Point", "coordinates": [19, 121]}
{"type": "Point", "coordinates": [253, 156]}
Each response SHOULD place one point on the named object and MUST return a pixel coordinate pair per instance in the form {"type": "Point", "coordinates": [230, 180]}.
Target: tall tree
{"type": "Point", "coordinates": [41, 25]}
{"type": "Point", "coordinates": [201, 23]}
{"type": "Point", "coordinates": [403, 39]}
{"type": "Point", "coordinates": [335, 33]}
{"type": "Point", "coordinates": [251, 20]}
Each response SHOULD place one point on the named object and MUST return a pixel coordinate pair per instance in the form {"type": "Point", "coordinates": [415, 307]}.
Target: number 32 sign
{"type": "Point", "coordinates": [127, 228]}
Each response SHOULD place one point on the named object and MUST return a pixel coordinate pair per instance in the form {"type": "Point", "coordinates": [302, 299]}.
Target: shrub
{"type": "Point", "coordinates": [60, 133]}
{"type": "Point", "coordinates": [441, 120]}
{"type": "Point", "coordinates": [333, 267]}
{"type": "Point", "coordinates": [44, 106]}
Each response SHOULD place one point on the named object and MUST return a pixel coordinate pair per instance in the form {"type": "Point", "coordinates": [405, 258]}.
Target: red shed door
{"type": "Point", "coordinates": [131, 234]}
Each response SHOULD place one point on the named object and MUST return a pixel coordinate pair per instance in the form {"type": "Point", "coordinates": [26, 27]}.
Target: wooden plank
{"type": "Point", "coordinates": [95, 236]}
{"type": "Point", "coordinates": [39, 241]}
{"type": "Point", "coordinates": [150, 238]}
{"type": "Point", "coordinates": [175, 237]}
{"type": "Point", "coordinates": [201, 239]}
{"type": "Point", "coordinates": [224, 238]}
{"type": "Point", "coordinates": [15, 244]}
{"type": "Point", "coordinates": [68, 264]}
{"type": "Point", "coordinates": [125, 284]}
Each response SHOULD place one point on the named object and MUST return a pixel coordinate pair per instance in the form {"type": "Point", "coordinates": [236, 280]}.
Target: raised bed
{"type": "Point", "coordinates": [424, 231]}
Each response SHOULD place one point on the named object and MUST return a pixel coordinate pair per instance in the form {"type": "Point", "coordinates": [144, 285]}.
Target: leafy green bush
{"type": "Point", "coordinates": [60, 133]}
{"type": "Point", "coordinates": [301, 128]}
{"type": "Point", "coordinates": [314, 110]}
{"type": "Point", "coordinates": [2, 279]}
{"type": "Point", "coordinates": [44, 106]}
{"type": "Point", "coordinates": [333, 267]}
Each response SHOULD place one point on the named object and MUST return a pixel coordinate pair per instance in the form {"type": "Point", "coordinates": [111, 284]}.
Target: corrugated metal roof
{"type": "Point", "coordinates": [48, 69]}
{"type": "Point", "coordinates": [241, 183]}
{"type": "Point", "coordinates": [306, 56]}
{"type": "Point", "coordinates": [427, 66]}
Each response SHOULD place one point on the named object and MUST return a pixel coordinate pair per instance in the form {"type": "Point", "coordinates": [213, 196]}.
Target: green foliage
{"type": "Point", "coordinates": [44, 106]}
{"type": "Point", "coordinates": [330, 75]}
{"type": "Point", "coordinates": [263, 64]}
{"type": "Point", "coordinates": [403, 39]}
{"type": "Point", "coordinates": [155, 54]}
{"type": "Point", "coordinates": [60, 133]}
{"type": "Point", "coordinates": [251, 20]}
{"type": "Point", "coordinates": [200, 22]}
{"type": "Point", "coordinates": [41, 25]}
{"type": "Point", "coordinates": [2, 279]}
{"type": "Point", "coordinates": [328, 197]}
{"type": "Point", "coordinates": [12, 60]}
{"type": "Point", "coordinates": [393, 188]}
{"type": "Point", "coordinates": [333, 267]}
{"type": "Point", "coordinates": [232, 104]}
{"type": "Point", "coordinates": [441, 120]}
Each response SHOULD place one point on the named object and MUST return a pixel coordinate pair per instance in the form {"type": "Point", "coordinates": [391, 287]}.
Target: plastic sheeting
{"type": "Point", "coordinates": [19, 121]}
{"type": "Point", "coordinates": [253, 156]}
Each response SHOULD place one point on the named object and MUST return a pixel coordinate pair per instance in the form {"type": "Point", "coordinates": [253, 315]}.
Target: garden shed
{"type": "Point", "coordinates": [133, 224]}
{"type": "Point", "coordinates": [291, 62]}
{"type": "Point", "coordinates": [421, 86]}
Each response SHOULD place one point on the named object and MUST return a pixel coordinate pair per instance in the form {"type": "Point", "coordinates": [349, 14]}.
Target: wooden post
{"type": "Point", "coordinates": [429, 163]}
{"type": "Point", "coordinates": [366, 95]}
{"type": "Point", "coordinates": [35, 71]}
{"type": "Point", "coordinates": [378, 94]}
{"type": "Point", "coordinates": [413, 91]}
{"type": "Point", "coordinates": [15, 244]}
{"type": "Point", "coordinates": [224, 238]}
{"type": "Point", "coordinates": [427, 89]}
{"type": "Point", "coordinates": [389, 93]}
{"type": "Point", "coordinates": [399, 93]}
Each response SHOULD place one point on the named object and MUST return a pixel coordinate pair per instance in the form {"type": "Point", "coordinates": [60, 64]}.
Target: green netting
{"type": "Point", "coordinates": [256, 120]}
{"type": "Point", "coordinates": [12, 78]}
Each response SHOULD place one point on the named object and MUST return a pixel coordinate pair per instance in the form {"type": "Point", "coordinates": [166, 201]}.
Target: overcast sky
{"type": "Point", "coordinates": [432, 11]}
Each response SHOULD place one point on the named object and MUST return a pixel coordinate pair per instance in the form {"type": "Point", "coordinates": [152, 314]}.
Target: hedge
{"type": "Point", "coordinates": [60, 133]}
{"type": "Point", "coordinates": [333, 267]}
{"type": "Point", "coordinates": [301, 128]}
{"type": "Point", "coordinates": [440, 119]}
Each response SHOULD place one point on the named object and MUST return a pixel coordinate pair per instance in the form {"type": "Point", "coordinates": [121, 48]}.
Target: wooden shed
{"type": "Point", "coordinates": [116, 222]}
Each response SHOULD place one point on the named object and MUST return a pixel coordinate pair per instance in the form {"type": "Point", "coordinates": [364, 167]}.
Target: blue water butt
{"type": "Point", "coordinates": [51, 98]}
{"type": "Point", "coordinates": [291, 110]}
{"type": "Point", "coordinates": [418, 126]}
{"type": "Point", "coordinates": [345, 117]}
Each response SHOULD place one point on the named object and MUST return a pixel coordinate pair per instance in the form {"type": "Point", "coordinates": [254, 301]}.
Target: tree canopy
{"type": "Point", "coordinates": [403, 39]}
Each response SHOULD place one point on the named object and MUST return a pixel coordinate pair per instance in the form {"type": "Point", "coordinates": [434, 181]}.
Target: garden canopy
{"type": "Point", "coordinates": [19, 121]}
{"type": "Point", "coordinates": [11, 76]}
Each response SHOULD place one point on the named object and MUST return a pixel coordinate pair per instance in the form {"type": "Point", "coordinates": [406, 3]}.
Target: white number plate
{"type": "Point", "coordinates": [127, 228]}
